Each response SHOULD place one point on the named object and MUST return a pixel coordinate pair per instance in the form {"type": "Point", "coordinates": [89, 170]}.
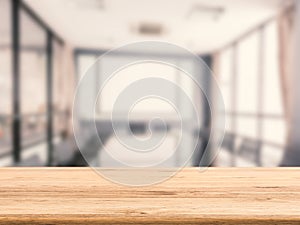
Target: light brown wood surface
{"type": "Point", "coordinates": [215, 196]}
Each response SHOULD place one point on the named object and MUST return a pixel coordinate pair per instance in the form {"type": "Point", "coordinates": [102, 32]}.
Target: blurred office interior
{"type": "Point", "coordinates": [251, 46]}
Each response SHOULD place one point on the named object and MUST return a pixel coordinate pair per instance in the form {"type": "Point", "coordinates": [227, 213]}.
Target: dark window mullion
{"type": "Point", "coordinates": [49, 95]}
{"type": "Point", "coordinates": [16, 80]}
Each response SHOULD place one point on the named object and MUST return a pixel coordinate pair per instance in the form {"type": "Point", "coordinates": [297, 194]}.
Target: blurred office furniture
{"type": "Point", "coordinates": [34, 160]}
{"type": "Point", "coordinates": [250, 150]}
{"type": "Point", "coordinates": [228, 144]}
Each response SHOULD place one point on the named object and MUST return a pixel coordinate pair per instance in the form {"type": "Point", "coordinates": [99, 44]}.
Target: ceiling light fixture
{"type": "Point", "coordinates": [89, 5]}
{"type": "Point", "coordinates": [214, 12]}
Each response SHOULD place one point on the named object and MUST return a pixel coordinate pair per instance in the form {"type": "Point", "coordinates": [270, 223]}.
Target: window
{"type": "Point", "coordinates": [257, 118]}
{"type": "Point", "coordinates": [84, 62]}
{"type": "Point", "coordinates": [272, 91]}
{"type": "Point", "coordinates": [5, 79]}
{"type": "Point", "coordinates": [60, 83]}
{"type": "Point", "coordinates": [30, 72]}
{"type": "Point", "coordinates": [247, 74]}
{"type": "Point", "coordinates": [226, 84]}
{"type": "Point", "coordinates": [274, 127]}
{"type": "Point", "coordinates": [33, 80]}
{"type": "Point", "coordinates": [126, 77]}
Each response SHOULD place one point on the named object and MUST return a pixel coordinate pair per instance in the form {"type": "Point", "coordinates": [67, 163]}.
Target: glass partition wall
{"type": "Point", "coordinates": [60, 83]}
{"type": "Point", "coordinates": [30, 74]}
{"type": "Point", "coordinates": [33, 98]}
{"type": "Point", "coordinates": [5, 82]}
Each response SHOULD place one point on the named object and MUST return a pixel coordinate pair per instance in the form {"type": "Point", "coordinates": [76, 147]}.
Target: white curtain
{"type": "Point", "coordinates": [287, 63]}
{"type": "Point", "coordinates": [286, 46]}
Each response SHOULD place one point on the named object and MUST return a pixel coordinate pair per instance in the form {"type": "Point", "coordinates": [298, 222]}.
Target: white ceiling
{"type": "Point", "coordinates": [84, 24]}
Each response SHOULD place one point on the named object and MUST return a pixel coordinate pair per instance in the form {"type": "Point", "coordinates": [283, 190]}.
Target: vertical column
{"type": "Point", "coordinates": [205, 156]}
{"type": "Point", "coordinates": [16, 80]}
{"type": "Point", "coordinates": [49, 98]}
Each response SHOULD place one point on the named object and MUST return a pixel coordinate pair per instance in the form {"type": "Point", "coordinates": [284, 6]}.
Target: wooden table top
{"type": "Point", "coordinates": [216, 196]}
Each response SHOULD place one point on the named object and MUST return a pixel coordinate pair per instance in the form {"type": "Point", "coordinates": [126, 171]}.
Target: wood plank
{"type": "Point", "coordinates": [213, 196]}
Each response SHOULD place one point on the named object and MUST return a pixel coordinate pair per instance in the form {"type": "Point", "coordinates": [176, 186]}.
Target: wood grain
{"type": "Point", "coordinates": [215, 196]}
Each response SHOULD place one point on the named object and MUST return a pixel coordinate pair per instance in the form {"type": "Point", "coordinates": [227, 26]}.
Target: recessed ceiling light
{"type": "Point", "coordinates": [205, 11]}
{"type": "Point", "coordinates": [149, 28]}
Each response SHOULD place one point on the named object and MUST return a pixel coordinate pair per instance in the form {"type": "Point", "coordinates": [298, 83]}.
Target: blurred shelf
{"type": "Point", "coordinates": [211, 196]}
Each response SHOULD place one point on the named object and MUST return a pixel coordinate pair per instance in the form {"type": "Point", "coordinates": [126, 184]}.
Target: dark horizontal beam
{"type": "Point", "coordinates": [98, 52]}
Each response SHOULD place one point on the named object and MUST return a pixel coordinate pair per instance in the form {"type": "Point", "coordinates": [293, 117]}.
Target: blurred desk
{"type": "Point", "coordinates": [214, 196]}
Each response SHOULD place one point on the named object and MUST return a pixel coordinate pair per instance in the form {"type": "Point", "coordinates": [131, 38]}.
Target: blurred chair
{"type": "Point", "coordinates": [228, 145]}
{"type": "Point", "coordinates": [228, 142]}
{"type": "Point", "coordinates": [203, 136]}
{"type": "Point", "coordinates": [138, 128]}
{"type": "Point", "coordinates": [33, 160]}
{"type": "Point", "coordinates": [65, 152]}
{"type": "Point", "coordinates": [250, 149]}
